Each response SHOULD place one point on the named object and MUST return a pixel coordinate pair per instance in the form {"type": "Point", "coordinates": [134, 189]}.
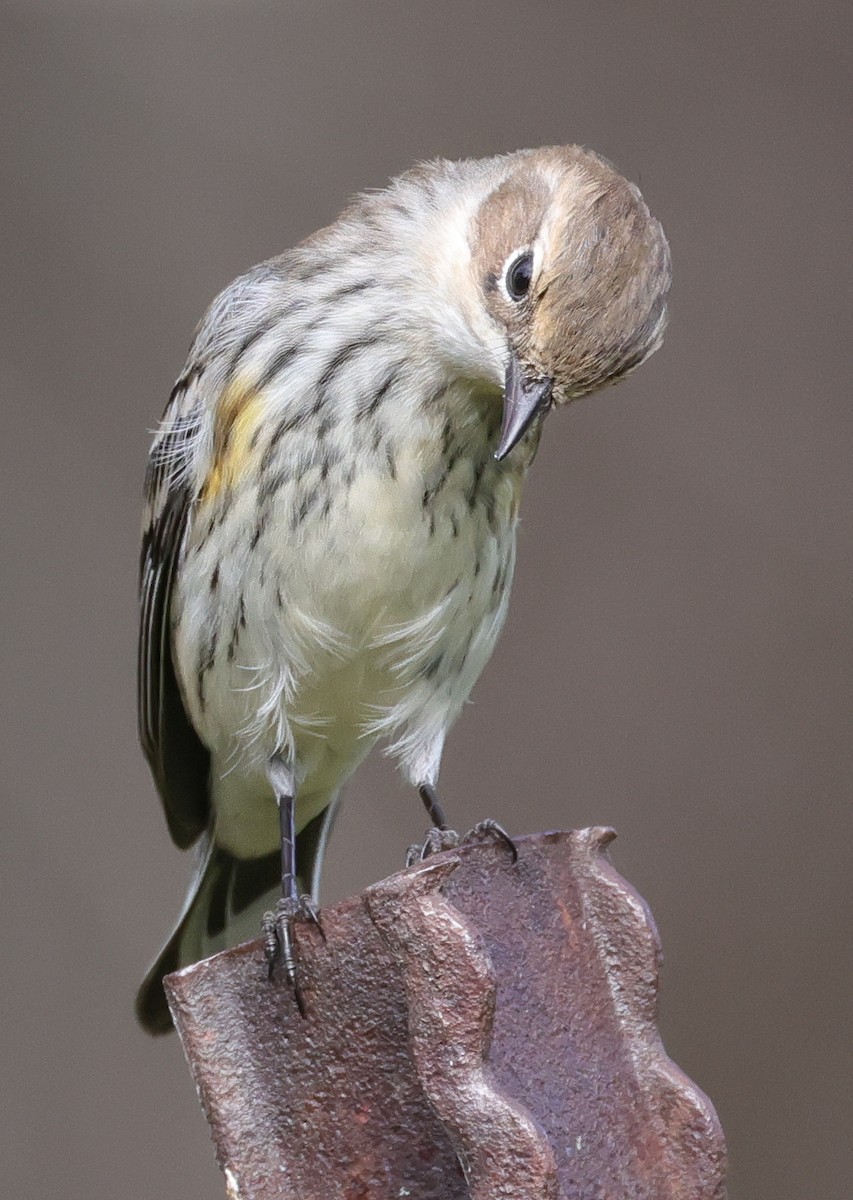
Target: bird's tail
{"type": "Point", "coordinates": [224, 906]}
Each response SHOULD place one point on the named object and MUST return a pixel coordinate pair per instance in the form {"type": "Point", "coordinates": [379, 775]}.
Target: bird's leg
{"type": "Point", "coordinates": [278, 926]}
{"type": "Point", "coordinates": [441, 837]}
{"type": "Point", "coordinates": [435, 812]}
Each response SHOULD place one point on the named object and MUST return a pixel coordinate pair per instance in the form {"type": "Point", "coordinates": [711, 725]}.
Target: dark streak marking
{"type": "Point", "coordinates": [494, 428]}
{"type": "Point", "coordinates": [205, 664]}
{"type": "Point", "coordinates": [214, 579]}
{"type": "Point", "coordinates": [272, 484]}
{"type": "Point", "coordinates": [189, 376]}
{"type": "Point", "coordinates": [379, 395]}
{"type": "Point", "coordinates": [348, 289]}
{"type": "Point", "coordinates": [446, 437]}
{"type": "Point", "coordinates": [479, 477]}
{"type": "Point", "coordinates": [305, 507]}
{"type": "Point", "coordinates": [433, 666]}
{"type": "Point", "coordinates": [253, 336]}
{"type": "Point", "coordinates": [344, 354]}
{"type": "Point", "coordinates": [331, 458]}
{"type": "Point", "coordinates": [239, 624]}
{"type": "Point", "coordinates": [491, 514]}
{"type": "Point", "coordinates": [432, 400]}
{"type": "Point", "coordinates": [460, 658]}
{"type": "Point", "coordinates": [276, 365]}
{"type": "Point", "coordinates": [285, 425]}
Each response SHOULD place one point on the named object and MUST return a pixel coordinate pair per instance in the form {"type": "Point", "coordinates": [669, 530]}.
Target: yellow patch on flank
{"type": "Point", "coordinates": [238, 414]}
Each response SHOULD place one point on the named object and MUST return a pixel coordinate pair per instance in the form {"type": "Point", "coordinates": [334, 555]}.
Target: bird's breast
{"type": "Point", "coordinates": [398, 538]}
{"type": "Point", "coordinates": [347, 580]}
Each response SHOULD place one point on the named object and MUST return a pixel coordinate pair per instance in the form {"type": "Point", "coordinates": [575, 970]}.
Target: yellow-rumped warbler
{"type": "Point", "coordinates": [333, 496]}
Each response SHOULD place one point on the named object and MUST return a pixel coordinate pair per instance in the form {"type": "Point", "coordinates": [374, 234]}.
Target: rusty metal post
{"type": "Point", "coordinates": [476, 1028]}
{"type": "Point", "coordinates": [451, 989]}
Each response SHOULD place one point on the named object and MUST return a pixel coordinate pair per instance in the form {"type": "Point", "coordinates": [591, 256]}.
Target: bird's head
{"type": "Point", "coordinates": [564, 282]}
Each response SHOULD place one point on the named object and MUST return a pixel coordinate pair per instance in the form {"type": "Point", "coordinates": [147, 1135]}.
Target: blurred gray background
{"type": "Point", "coordinates": [678, 657]}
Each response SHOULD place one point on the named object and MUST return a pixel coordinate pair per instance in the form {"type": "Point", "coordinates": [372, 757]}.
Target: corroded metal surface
{"type": "Point", "coordinates": [450, 989]}
{"type": "Point", "coordinates": [467, 1010]}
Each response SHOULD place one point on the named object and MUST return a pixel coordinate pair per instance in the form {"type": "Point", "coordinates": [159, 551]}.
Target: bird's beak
{"type": "Point", "coordinates": [524, 403]}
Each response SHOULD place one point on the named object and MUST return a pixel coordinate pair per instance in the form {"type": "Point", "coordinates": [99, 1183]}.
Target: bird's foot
{"type": "Point", "coordinates": [490, 831]}
{"type": "Point", "coordinates": [448, 839]}
{"type": "Point", "coordinates": [434, 842]}
{"type": "Point", "coordinates": [279, 949]}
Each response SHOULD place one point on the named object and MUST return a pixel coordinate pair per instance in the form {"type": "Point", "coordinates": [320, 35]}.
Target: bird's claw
{"type": "Point", "coordinates": [434, 842]}
{"type": "Point", "coordinates": [279, 948]}
{"type": "Point", "coordinates": [490, 831]}
{"type": "Point", "coordinates": [448, 839]}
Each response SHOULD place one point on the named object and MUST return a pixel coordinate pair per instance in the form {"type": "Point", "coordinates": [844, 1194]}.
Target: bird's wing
{"type": "Point", "coordinates": [179, 761]}
{"type": "Point", "coordinates": [180, 459]}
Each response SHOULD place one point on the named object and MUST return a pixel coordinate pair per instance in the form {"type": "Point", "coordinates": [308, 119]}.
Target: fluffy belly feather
{"type": "Point", "coordinates": [363, 610]}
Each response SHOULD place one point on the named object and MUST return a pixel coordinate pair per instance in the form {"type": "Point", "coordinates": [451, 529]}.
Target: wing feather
{"type": "Point", "coordinates": [179, 761]}
{"type": "Point", "coordinates": [179, 461]}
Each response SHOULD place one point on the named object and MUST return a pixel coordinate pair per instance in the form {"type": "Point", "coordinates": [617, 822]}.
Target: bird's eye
{"type": "Point", "coordinates": [518, 276]}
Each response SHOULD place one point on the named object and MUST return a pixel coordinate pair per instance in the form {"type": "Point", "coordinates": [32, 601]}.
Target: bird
{"type": "Point", "coordinates": [332, 498]}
